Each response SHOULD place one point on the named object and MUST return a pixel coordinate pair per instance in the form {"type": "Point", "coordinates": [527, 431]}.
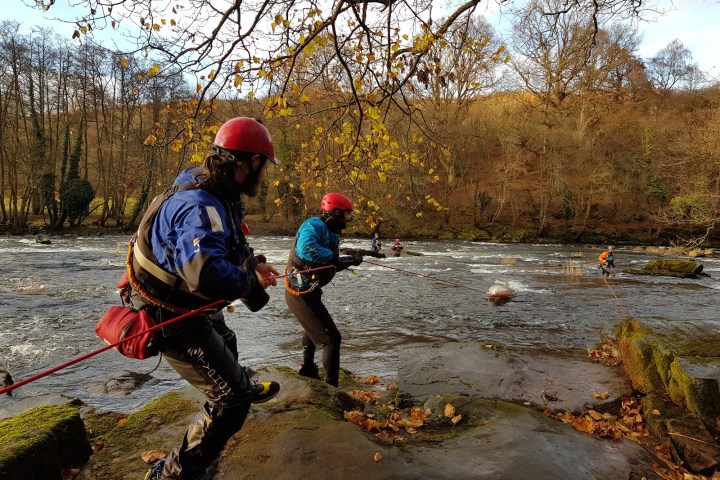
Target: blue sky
{"type": "Point", "coordinates": [694, 22]}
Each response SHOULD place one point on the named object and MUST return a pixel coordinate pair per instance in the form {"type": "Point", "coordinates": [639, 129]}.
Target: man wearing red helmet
{"type": "Point", "coordinates": [190, 251]}
{"type": "Point", "coordinates": [397, 247]}
{"type": "Point", "coordinates": [317, 245]}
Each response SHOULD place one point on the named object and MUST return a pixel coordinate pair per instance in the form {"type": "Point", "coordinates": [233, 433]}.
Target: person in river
{"type": "Point", "coordinates": [607, 261]}
{"type": "Point", "coordinates": [190, 251]}
{"type": "Point", "coordinates": [376, 243]}
{"type": "Point", "coordinates": [397, 247]}
{"type": "Point", "coordinates": [316, 246]}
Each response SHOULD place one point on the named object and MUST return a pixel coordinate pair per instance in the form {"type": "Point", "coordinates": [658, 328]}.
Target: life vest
{"type": "Point", "coordinates": [302, 283]}
{"type": "Point", "coordinates": [154, 283]}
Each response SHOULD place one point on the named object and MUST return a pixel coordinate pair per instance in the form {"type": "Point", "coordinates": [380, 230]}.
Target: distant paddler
{"type": "Point", "coordinates": [607, 261]}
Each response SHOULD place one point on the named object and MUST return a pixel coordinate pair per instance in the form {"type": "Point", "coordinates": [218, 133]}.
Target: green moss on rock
{"type": "Point", "coordinates": [671, 268]}
{"type": "Point", "coordinates": [39, 443]}
{"type": "Point", "coordinates": [638, 356]}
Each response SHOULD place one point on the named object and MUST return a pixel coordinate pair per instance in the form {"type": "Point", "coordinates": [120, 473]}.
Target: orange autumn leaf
{"type": "Point", "coordinates": [371, 380]}
{"type": "Point", "coordinates": [456, 419]}
{"type": "Point", "coordinates": [365, 396]}
{"type": "Point", "coordinates": [601, 396]}
{"type": "Point", "coordinates": [595, 415]}
{"type": "Point", "coordinates": [122, 421]}
{"type": "Point", "coordinates": [449, 410]}
{"type": "Point", "coordinates": [377, 457]}
{"type": "Point", "coordinates": [151, 456]}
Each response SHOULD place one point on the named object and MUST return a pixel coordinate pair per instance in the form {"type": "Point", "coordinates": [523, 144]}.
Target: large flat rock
{"type": "Point", "coordinates": [302, 434]}
{"type": "Point", "coordinates": [558, 381]}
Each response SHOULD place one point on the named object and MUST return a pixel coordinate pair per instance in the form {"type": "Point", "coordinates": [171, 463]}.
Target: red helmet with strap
{"type": "Point", "coordinates": [332, 201]}
{"type": "Point", "coordinates": [245, 134]}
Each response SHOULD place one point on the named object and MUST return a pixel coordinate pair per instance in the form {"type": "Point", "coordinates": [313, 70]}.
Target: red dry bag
{"type": "Point", "coordinates": [119, 323]}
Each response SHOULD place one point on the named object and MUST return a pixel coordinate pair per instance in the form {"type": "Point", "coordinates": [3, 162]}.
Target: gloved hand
{"type": "Point", "coordinates": [345, 261]}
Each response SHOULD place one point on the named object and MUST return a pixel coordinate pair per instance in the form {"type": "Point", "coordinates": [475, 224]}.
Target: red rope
{"type": "Point", "coordinates": [622, 307]}
{"type": "Point", "coordinates": [302, 271]}
{"type": "Point", "coordinates": [12, 387]}
{"type": "Point", "coordinates": [447, 282]}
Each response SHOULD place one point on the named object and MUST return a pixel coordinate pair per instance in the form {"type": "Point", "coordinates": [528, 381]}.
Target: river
{"type": "Point", "coordinates": [52, 296]}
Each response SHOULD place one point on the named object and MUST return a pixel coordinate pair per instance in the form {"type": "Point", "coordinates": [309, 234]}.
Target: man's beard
{"type": "Point", "coordinates": [250, 186]}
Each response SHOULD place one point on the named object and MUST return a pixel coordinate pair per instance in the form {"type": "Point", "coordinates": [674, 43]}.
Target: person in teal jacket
{"type": "Point", "coordinates": [316, 248]}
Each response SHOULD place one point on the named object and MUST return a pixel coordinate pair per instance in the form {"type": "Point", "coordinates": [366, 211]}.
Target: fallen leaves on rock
{"type": "Point", "coordinates": [377, 457]}
{"type": "Point", "coordinates": [388, 421]}
{"type": "Point", "coordinates": [629, 424]}
{"type": "Point", "coordinates": [371, 380]}
{"type": "Point", "coordinates": [397, 424]}
{"type": "Point", "coordinates": [607, 354]}
{"type": "Point", "coordinates": [365, 396]}
{"type": "Point", "coordinates": [601, 396]}
{"type": "Point", "coordinates": [450, 413]}
{"type": "Point", "coordinates": [152, 456]}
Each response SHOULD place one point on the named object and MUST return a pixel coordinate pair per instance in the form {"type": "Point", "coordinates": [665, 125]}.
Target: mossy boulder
{"type": "Point", "coordinates": [693, 446]}
{"type": "Point", "coordinates": [159, 425]}
{"type": "Point", "coordinates": [677, 359]}
{"type": "Point", "coordinates": [39, 443]}
{"type": "Point", "coordinates": [670, 268]}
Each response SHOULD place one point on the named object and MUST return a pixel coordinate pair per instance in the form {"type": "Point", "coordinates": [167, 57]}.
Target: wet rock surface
{"type": "Point", "coordinates": [302, 434]}
{"type": "Point", "coordinates": [503, 396]}
{"type": "Point", "coordinates": [554, 380]}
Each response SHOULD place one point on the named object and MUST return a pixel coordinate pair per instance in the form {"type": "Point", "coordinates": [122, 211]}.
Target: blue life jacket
{"type": "Point", "coordinates": [190, 250]}
{"type": "Point", "coordinates": [315, 245]}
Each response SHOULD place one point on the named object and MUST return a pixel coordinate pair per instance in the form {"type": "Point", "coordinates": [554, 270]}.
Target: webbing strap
{"type": "Point", "coordinates": [155, 270]}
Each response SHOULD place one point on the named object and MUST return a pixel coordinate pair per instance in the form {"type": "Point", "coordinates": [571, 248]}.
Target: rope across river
{"type": "Point", "coordinates": [223, 303]}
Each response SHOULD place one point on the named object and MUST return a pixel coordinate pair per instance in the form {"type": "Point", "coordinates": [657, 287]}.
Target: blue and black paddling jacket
{"type": "Point", "coordinates": [190, 251]}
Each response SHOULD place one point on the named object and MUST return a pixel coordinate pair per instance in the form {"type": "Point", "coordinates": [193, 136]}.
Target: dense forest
{"type": "Point", "coordinates": [559, 131]}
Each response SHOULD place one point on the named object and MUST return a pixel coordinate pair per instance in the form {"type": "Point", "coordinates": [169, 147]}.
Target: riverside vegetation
{"type": "Point", "coordinates": [467, 137]}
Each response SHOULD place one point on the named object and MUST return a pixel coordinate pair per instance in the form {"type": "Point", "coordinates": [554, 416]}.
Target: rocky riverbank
{"type": "Point", "coordinates": [455, 410]}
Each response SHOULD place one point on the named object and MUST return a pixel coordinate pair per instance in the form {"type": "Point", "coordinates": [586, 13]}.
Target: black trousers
{"type": "Point", "coordinates": [203, 350]}
{"type": "Point", "coordinates": [319, 331]}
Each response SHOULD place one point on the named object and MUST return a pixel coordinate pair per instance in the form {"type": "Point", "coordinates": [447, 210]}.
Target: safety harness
{"type": "Point", "coordinates": [155, 284]}
{"type": "Point", "coordinates": [299, 284]}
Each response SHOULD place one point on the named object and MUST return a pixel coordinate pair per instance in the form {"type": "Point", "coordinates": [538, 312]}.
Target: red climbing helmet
{"type": "Point", "coordinates": [245, 134]}
{"type": "Point", "coordinates": [333, 201]}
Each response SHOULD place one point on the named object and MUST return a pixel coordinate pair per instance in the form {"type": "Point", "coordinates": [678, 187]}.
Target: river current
{"type": "Point", "coordinates": [51, 296]}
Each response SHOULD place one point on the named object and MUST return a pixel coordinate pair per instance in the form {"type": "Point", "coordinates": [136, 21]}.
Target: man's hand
{"type": "Point", "coordinates": [266, 274]}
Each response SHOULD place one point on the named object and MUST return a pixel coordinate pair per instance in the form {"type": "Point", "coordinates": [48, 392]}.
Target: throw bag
{"type": "Point", "coordinates": [121, 322]}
